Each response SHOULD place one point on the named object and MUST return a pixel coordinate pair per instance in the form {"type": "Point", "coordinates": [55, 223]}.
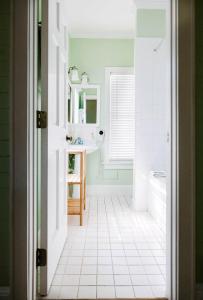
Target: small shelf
{"type": "Point", "coordinates": [73, 179]}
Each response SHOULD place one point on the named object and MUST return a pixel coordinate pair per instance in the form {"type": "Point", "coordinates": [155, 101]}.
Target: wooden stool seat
{"type": "Point", "coordinates": [73, 179]}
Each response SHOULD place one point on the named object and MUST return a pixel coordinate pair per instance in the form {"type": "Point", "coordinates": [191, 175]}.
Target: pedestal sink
{"type": "Point", "coordinates": [90, 148]}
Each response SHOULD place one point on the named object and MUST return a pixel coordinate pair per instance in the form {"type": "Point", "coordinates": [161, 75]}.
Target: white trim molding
{"type": "Point", "coordinates": [105, 35]}
{"type": "Point", "coordinates": [183, 224]}
{"type": "Point", "coordinates": [108, 190]}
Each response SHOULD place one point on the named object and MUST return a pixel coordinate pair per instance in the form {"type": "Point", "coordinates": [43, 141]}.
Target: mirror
{"type": "Point", "coordinates": [83, 104]}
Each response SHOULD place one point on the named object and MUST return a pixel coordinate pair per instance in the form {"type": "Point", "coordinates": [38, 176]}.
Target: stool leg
{"type": "Point", "coordinates": [81, 205]}
{"type": "Point", "coordinates": [85, 193]}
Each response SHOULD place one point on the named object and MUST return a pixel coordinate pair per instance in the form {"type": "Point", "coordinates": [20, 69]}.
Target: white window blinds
{"type": "Point", "coordinates": [122, 114]}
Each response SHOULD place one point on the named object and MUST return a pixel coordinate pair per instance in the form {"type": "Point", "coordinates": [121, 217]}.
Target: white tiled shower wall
{"type": "Point", "coordinates": [151, 114]}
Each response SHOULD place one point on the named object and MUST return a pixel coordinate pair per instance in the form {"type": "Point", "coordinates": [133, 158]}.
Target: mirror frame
{"type": "Point", "coordinates": [78, 87]}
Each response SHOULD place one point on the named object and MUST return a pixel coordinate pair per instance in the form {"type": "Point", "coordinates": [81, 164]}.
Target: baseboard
{"type": "Point", "coordinates": [4, 292]}
{"type": "Point", "coordinates": [110, 190]}
{"type": "Point", "coordinates": [199, 291]}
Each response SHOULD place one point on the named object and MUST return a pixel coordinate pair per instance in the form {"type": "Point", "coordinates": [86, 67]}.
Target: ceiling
{"type": "Point", "coordinates": [100, 18]}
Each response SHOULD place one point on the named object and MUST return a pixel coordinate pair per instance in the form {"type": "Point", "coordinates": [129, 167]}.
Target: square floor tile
{"type": "Point", "coordinates": [104, 292]}
{"type": "Point", "coordinates": [75, 260]}
{"type": "Point", "coordinates": [78, 246]}
{"type": "Point", "coordinates": [105, 269]}
{"type": "Point", "coordinates": [87, 292]}
{"type": "Point", "coordinates": [120, 269]}
{"type": "Point", "coordinates": [116, 246]}
{"type": "Point", "coordinates": [158, 252]}
{"type": "Point", "coordinates": [102, 260]}
{"type": "Point", "coordinates": [136, 270]}
{"type": "Point", "coordinates": [156, 279]}
{"type": "Point", "coordinates": [130, 252]}
{"type": "Point", "coordinates": [142, 246]}
{"type": "Point", "coordinates": [68, 292]}
{"type": "Point", "coordinates": [70, 280]}
{"type": "Point", "coordinates": [163, 269]}
{"type": "Point", "coordinates": [148, 260]}
{"type": "Point", "coordinates": [121, 261]}
{"type": "Point", "coordinates": [122, 280]}
{"type": "Point", "coordinates": [90, 252]}
{"type": "Point", "coordinates": [104, 246]}
{"type": "Point", "coordinates": [91, 246]}
{"type": "Point", "coordinates": [145, 253]}
{"type": "Point", "coordinates": [105, 280]}
{"type": "Point", "coordinates": [88, 279]}
{"type": "Point", "coordinates": [76, 252]}
{"type": "Point", "coordinates": [129, 246]}
{"type": "Point", "coordinates": [89, 269]}
{"type": "Point", "coordinates": [161, 260]}
{"type": "Point", "coordinates": [152, 269]}
{"type": "Point", "coordinates": [57, 280]}
{"type": "Point", "coordinates": [63, 260]}
{"type": "Point", "coordinates": [139, 279]}
{"type": "Point", "coordinates": [104, 253]}
{"type": "Point", "coordinates": [73, 269]}
{"type": "Point", "coordinates": [133, 261]}
{"type": "Point", "coordinates": [118, 253]}
{"type": "Point", "coordinates": [90, 260]}
{"type": "Point", "coordinates": [159, 291]}
{"type": "Point", "coordinates": [155, 246]}
{"type": "Point", "coordinates": [61, 269]}
{"type": "Point", "coordinates": [53, 292]}
{"type": "Point", "coordinates": [143, 291]}
{"type": "Point", "coordinates": [124, 292]}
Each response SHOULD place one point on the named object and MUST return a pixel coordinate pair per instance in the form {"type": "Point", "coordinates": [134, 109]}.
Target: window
{"type": "Point", "coordinates": [120, 85]}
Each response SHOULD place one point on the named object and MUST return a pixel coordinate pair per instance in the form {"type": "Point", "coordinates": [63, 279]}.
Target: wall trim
{"type": "Point", "coordinates": [105, 35]}
{"type": "Point", "coordinates": [109, 190]}
{"type": "Point", "coordinates": [185, 168]}
{"type": "Point", "coordinates": [199, 291]}
{"type": "Point", "coordinates": [4, 292]}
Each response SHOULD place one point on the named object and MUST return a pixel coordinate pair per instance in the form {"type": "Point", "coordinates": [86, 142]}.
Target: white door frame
{"type": "Point", "coordinates": [24, 160]}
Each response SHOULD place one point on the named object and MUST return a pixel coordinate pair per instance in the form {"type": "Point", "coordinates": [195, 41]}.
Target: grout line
{"type": "Point", "coordinates": [110, 213]}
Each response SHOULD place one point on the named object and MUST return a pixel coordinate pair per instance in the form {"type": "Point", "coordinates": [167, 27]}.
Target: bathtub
{"type": "Point", "coordinates": [157, 197]}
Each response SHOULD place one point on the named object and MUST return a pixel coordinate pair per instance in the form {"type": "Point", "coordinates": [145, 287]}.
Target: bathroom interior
{"type": "Point", "coordinates": [117, 141]}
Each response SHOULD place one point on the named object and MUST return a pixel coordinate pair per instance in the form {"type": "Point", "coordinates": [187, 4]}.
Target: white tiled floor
{"type": "Point", "coordinates": [118, 253]}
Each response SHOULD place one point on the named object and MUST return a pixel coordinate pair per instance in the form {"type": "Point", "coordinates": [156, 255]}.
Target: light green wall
{"type": "Point", "coordinates": [4, 141]}
{"type": "Point", "coordinates": [92, 56]}
{"type": "Point", "coordinates": [151, 23]}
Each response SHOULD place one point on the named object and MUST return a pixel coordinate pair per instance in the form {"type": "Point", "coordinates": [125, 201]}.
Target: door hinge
{"type": "Point", "coordinates": [41, 119]}
{"type": "Point", "coordinates": [41, 260]}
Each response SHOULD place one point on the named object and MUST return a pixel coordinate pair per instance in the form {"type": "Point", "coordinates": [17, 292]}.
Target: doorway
{"type": "Point", "coordinates": [23, 211]}
{"type": "Point", "coordinates": [120, 249]}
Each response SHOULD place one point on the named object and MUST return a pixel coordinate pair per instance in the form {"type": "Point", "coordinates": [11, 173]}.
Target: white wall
{"type": "Point", "coordinates": [151, 114]}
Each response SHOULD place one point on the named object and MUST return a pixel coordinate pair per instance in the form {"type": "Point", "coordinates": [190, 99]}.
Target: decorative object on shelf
{"type": "Point", "coordinates": [79, 141]}
{"type": "Point", "coordinates": [84, 78]}
{"type": "Point", "coordinates": [73, 74]}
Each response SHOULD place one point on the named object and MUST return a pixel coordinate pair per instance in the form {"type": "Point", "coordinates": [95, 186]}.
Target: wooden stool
{"type": "Point", "coordinates": [76, 206]}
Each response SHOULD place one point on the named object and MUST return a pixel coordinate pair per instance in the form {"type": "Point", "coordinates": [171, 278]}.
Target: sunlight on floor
{"type": "Point", "coordinates": [118, 253]}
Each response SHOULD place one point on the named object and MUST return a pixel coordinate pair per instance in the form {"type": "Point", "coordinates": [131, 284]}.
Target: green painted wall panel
{"type": "Point", "coordinates": [92, 56]}
{"type": "Point", "coordinates": [151, 23]}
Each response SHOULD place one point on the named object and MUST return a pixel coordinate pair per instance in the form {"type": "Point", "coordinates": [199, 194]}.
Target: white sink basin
{"type": "Point", "coordinates": [89, 148]}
